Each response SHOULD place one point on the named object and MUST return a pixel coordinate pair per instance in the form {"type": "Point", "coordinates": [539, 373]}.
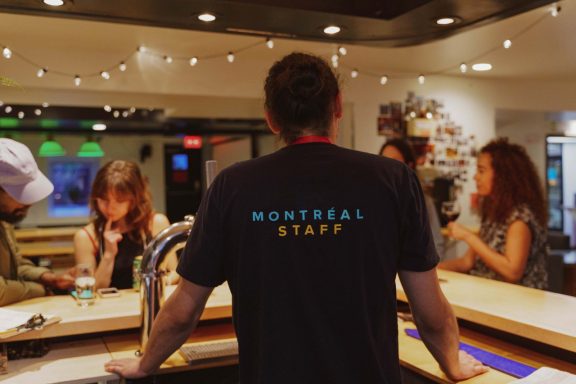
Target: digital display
{"type": "Point", "coordinates": [72, 179]}
{"type": "Point", "coordinates": [180, 162]}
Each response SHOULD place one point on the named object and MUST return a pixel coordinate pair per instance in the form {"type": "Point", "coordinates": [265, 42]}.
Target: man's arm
{"type": "Point", "coordinates": [175, 322]}
{"type": "Point", "coordinates": [437, 324]}
{"type": "Point", "coordinates": [13, 291]}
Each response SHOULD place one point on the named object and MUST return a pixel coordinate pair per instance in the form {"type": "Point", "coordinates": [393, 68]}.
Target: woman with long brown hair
{"type": "Point", "coordinates": [123, 223]}
{"type": "Point", "coordinates": [511, 245]}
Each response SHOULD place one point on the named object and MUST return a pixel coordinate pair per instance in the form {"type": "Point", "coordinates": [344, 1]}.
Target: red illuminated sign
{"type": "Point", "coordinates": [192, 142]}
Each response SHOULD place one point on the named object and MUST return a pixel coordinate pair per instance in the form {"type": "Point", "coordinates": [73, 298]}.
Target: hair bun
{"type": "Point", "coordinates": [306, 85]}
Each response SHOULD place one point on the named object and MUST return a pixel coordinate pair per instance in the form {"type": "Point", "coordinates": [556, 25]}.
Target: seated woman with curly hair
{"type": "Point", "coordinates": [511, 245]}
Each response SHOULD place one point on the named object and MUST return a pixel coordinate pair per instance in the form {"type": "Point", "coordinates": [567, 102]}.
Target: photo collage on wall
{"type": "Point", "coordinates": [439, 143]}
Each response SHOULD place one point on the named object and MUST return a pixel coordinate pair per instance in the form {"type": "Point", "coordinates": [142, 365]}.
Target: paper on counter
{"type": "Point", "coordinates": [546, 375]}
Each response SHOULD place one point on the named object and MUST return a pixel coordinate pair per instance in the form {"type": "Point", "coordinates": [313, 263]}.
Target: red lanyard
{"type": "Point", "coordinates": [311, 139]}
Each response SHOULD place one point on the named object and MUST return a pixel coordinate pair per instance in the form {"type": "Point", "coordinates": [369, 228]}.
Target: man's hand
{"type": "Point", "coordinates": [468, 367]}
{"type": "Point", "coordinates": [61, 281]}
{"type": "Point", "coordinates": [127, 368]}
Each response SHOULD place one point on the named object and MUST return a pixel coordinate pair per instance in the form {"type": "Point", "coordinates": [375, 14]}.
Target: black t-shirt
{"type": "Point", "coordinates": [310, 239]}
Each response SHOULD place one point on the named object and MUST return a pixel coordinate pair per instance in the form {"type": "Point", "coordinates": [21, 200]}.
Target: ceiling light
{"type": "Point", "coordinates": [193, 61]}
{"type": "Point", "coordinates": [77, 80]}
{"type": "Point", "coordinates": [21, 115]}
{"type": "Point", "coordinates": [269, 43]}
{"type": "Point", "coordinates": [107, 108]}
{"type": "Point", "coordinates": [342, 50]}
{"type": "Point", "coordinates": [41, 72]}
{"type": "Point", "coordinates": [51, 148]}
{"type": "Point", "coordinates": [122, 66]}
{"type": "Point", "coordinates": [124, 113]}
{"type": "Point", "coordinates": [332, 29]}
{"type": "Point", "coordinates": [421, 79]}
{"type": "Point", "coordinates": [480, 67]}
{"type": "Point", "coordinates": [116, 114]}
{"type": "Point", "coordinates": [354, 73]}
{"type": "Point", "coordinates": [141, 49]}
{"type": "Point", "coordinates": [555, 10]}
{"type": "Point", "coordinates": [8, 109]}
{"type": "Point", "coordinates": [37, 111]}
{"type": "Point", "coordinates": [507, 44]}
{"type": "Point", "coordinates": [463, 68]}
{"type": "Point", "coordinates": [90, 148]}
{"type": "Point", "coordinates": [230, 57]}
{"type": "Point", "coordinates": [132, 109]}
{"type": "Point", "coordinates": [54, 3]}
{"type": "Point", "coordinates": [383, 80]}
{"type": "Point", "coordinates": [45, 105]}
{"type": "Point", "coordinates": [105, 75]}
{"type": "Point", "coordinates": [168, 59]}
{"type": "Point", "coordinates": [446, 20]}
{"type": "Point", "coordinates": [206, 17]}
{"type": "Point", "coordinates": [99, 127]}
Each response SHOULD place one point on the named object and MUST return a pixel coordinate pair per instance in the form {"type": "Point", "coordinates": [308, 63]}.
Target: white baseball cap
{"type": "Point", "coordinates": [19, 173]}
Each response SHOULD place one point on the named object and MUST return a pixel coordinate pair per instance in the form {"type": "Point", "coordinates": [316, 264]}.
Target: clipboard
{"type": "Point", "coordinates": [13, 323]}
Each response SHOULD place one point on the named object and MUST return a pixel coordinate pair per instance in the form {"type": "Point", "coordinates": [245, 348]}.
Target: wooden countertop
{"type": "Point", "coordinates": [105, 315]}
{"type": "Point", "coordinates": [26, 234]}
{"type": "Point", "coordinates": [538, 315]}
{"type": "Point", "coordinates": [46, 248]}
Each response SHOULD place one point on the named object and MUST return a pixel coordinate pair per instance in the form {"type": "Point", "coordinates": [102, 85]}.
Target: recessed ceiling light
{"type": "Point", "coordinates": [446, 20]}
{"type": "Point", "coordinates": [54, 3]}
{"type": "Point", "coordinates": [99, 127]}
{"type": "Point", "coordinates": [206, 17]}
{"type": "Point", "coordinates": [482, 67]}
{"type": "Point", "coordinates": [332, 29]}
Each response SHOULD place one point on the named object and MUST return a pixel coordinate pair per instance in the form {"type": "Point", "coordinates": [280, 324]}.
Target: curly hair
{"type": "Point", "coordinates": [300, 95]}
{"type": "Point", "coordinates": [124, 179]}
{"type": "Point", "coordinates": [515, 183]}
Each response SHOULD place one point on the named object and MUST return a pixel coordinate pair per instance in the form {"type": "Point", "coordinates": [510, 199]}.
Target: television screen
{"type": "Point", "coordinates": [72, 179]}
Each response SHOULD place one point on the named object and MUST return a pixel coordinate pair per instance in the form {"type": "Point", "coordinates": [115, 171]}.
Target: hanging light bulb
{"type": "Point", "coordinates": [7, 53]}
{"type": "Point", "coordinates": [354, 73]}
{"type": "Point", "coordinates": [37, 111]}
{"type": "Point", "coordinates": [21, 115]}
{"type": "Point", "coordinates": [269, 43]}
{"type": "Point", "coordinates": [193, 61]}
{"type": "Point", "coordinates": [105, 75]}
{"type": "Point", "coordinates": [132, 110]}
{"type": "Point", "coordinates": [168, 59]}
{"type": "Point", "coordinates": [41, 72]}
{"type": "Point", "coordinates": [107, 108]}
{"type": "Point", "coordinates": [342, 50]}
{"type": "Point", "coordinates": [124, 113]}
{"type": "Point", "coordinates": [335, 59]}
{"type": "Point", "coordinates": [77, 80]}
{"type": "Point", "coordinates": [230, 57]}
{"type": "Point", "coordinates": [383, 80]}
{"type": "Point", "coordinates": [421, 79]}
{"type": "Point", "coordinates": [45, 105]}
{"type": "Point", "coordinates": [463, 68]}
{"type": "Point", "coordinates": [507, 44]}
{"type": "Point", "coordinates": [8, 109]}
{"type": "Point", "coordinates": [122, 67]}
{"type": "Point", "coordinates": [555, 10]}
{"type": "Point", "coordinates": [116, 114]}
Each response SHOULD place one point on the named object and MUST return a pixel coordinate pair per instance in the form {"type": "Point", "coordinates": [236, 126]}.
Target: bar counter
{"type": "Point", "coordinates": [544, 317]}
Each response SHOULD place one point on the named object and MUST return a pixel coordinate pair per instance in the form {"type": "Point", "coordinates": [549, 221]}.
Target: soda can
{"type": "Point", "coordinates": [136, 272]}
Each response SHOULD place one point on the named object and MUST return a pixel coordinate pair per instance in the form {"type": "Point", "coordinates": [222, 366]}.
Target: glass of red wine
{"type": "Point", "coordinates": [450, 211]}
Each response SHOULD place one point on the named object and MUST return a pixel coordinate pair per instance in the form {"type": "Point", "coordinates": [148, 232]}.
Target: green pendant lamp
{"type": "Point", "coordinates": [51, 148]}
{"type": "Point", "coordinates": [90, 148]}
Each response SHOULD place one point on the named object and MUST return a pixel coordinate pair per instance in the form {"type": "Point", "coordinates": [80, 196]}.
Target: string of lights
{"type": "Point", "coordinates": [339, 53]}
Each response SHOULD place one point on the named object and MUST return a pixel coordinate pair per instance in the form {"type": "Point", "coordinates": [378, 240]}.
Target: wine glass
{"type": "Point", "coordinates": [450, 211]}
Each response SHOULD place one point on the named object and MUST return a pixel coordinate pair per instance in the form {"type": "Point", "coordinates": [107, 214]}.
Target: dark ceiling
{"type": "Point", "coordinates": [380, 23]}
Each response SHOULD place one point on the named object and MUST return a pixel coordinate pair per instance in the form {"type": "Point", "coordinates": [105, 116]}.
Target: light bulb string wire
{"type": "Point", "coordinates": [388, 74]}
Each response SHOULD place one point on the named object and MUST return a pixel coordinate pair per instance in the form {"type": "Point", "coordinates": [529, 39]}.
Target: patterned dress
{"type": "Point", "coordinates": [494, 235]}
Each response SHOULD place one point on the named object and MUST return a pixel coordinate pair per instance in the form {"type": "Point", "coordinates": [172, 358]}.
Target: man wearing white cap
{"type": "Point", "coordinates": [21, 185]}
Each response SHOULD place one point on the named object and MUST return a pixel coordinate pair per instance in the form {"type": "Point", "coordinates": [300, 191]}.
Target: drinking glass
{"type": "Point", "coordinates": [85, 282]}
{"type": "Point", "coordinates": [450, 210]}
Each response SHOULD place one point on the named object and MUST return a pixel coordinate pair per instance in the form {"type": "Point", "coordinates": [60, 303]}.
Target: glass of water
{"type": "Point", "coordinates": [85, 282]}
